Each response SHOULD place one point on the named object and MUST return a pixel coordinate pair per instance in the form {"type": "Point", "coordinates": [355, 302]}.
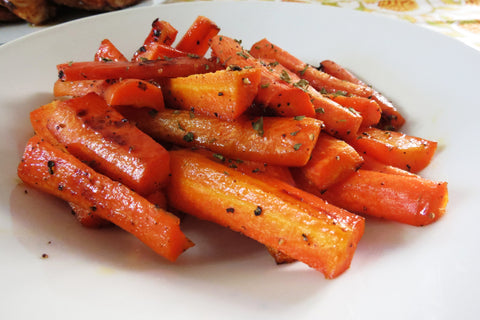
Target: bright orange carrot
{"type": "Point", "coordinates": [339, 121]}
{"type": "Point", "coordinates": [135, 93]}
{"type": "Point", "coordinates": [277, 95]}
{"type": "Point", "coordinates": [321, 81]}
{"type": "Point", "coordinates": [224, 94]}
{"type": "Point", "coordinates": [108, 52]}
{"type": "Point", "coordinates": [367, 108]}
{"type": "Point", "coordinates": [87, 217]}
{"type": "Point", "coordinates": [252, 168]}
{"type": "Point", "coordinates": [196, 39]}
{"type": "Point", "coordinates": [162, 33]}
{"type": "Point", "coordinates": [99, 135]}
{"type": "Point", "coordinates": [394, 148]}
{"type": "Point", "coordinates": [145, 70]}
{"type": "Point", "coordinates": [410, 200]}
{"type": "Point", "coordinates": [370, 163]}
{"type": "Point", "coordinates": [391, 117]}
{"type": "Point", "coordinates": [159, 51]}
{"type": "Point", "coordinates": [276, 219]}
{"type": "Point", "coordinates": [274, 140]}
{"type": "Point", "coordinates": [332, 161]}
{"type": "Point", "coordinates": [53, 171]}
{"type": "Point", "coordinates": [80, 88]}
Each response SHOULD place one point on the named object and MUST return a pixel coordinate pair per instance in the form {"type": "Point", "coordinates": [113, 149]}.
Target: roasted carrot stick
{"type": "Point", "coordinates": [332, 161]}
{"type": "Point", "coordinates": [338, 120]}
{"type": "Point", "coordinates": [159, 51]}
{"type": "Point", "coordinates": [273, 140]}
{"type": "Point", "coordinates": [370, 163]}
{"type": "Point", "coordinates": [318, 79]}
{"type": "Point", "coordinates": [80, 88]}
{"type": "Point", "coordinates": [273, 218]}
{"type": "Point", "coordinates": [196, 39]}
{"type": "Point", "coordinates": [56, 172]}
{"type": "Point", "coordinates": [108, 52]}
{"type": "Point", "coordinates": [163, 33]}
{"type": "Point", "coordinates": [275, 94]}
{"type": "Point", "coordinates": [391, 117]}
{"type": "Point", "coordinates": [87, 217]}
{"type": "Point", "coordinates": [394, 148]}
{"type": "Point", "coordinates": [367, 108]}
{"type": "Point", "coordinates": [135, 93]}
{"type": "Point", "coordinates": [411, 200]}
{"type": "Point", "coordinates": [145, 70]}
{"type": "Point", "coordinates": [224, 94]}
{"type": "Point", "coordinates": [99, 135]}
{"type": "Point", "coordinates": [252, 168]}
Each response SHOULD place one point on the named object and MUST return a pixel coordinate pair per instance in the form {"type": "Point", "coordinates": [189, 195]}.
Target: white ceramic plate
{"type": "Point", "coordinates": [398, 272]}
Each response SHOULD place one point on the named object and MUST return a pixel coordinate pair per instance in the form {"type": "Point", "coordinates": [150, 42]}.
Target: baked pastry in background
{"type": "Point", "coordinates": [40, 11]}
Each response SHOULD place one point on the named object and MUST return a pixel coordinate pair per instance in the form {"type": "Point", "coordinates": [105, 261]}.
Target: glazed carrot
{"type": "Point", "coordinates": [367, 108]}
{"type": "Point", "coordinates": [332, 161]}
{"type": "Point", "coordinates": [338, 120]}
{"type": "Point", "coordinates": [370, 163]}
{"type": "Point", "coordinates": [196, 39]}
{"type": "Point", "coordinates": [80, 88]}
{"type": "Point", "coordinates": [145, 70]}
{"type": "Point", "coordinates": [410, 200]}
{"type": "Point", "coordinates": [391, 117]}
{"type": "Point", "coordinates": [252, 168]}
{"type": "Point", "coordinates": [53, 171]}
{"type": "Point", "coordinates": [275, 94]}
{"type": "Point", "coordinates": [108, 52]}
{"type": "Point", "coordinates": [87, 217]}
{"type": "Point", "coordinates": [224, 94]}
{"type": "Point", "coordinates": [163, 33]}
{"type": "Point", "coordinates": [273, 218]}
{"type": "Point", "coordinates": [156, 51]}
{"type": "Point", "coordinates": [394, 148]}
{"type": "Point", "coordinates": [99, 135]}
{"type": "Point", "coordinates": [274, 140]}
{"type": "Point", "coordinates": [135, 93]}
{"type": "Point", "coordinates": [321, 81]}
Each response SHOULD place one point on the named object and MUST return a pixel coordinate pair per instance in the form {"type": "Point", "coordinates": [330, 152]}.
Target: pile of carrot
{"type": "Point", "coordinates": [256, 140]}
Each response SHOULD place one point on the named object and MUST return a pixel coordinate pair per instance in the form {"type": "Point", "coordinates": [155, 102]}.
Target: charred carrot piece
{"type": "Point", "coordinates": [196, 39]}
{"type": "Point", "coordinates": [145, 70]}
{"type": "Point", "coordinates": [367, 108]}
{"type": "Point", "coordinates": [108, 52]}
{"type": "Point", "coordinates": [274, 140]}
{"type": "Point", "coordinates": [275, 94]}
{"type": "Point", "coordinates": [332, 161]}
{"type": "Point", "coordinates": [162, 33]}
{"type": "Point", "coordinates": [411, 200]}
{"type": "Point", "coordinates": [321, 81]}
{"type": "Point", "coordinates": [394, 148]}
{"type": "Point", "coordinates": [80, 88]}
{"type": "Point", "coordinates": [51, 170]}
{"type": "Point", "coordinates": [391, 117]}
{"type": "Point", "coordinates": [273, 218]}
{"type": "Point", "coordinates": [99, 135]}
{"type": "Point", "coordinates": [225, 94]}
{"type": "Point", "coordinates": [339, 121]}
{"type": "Point", "coordinates": [135, 93]}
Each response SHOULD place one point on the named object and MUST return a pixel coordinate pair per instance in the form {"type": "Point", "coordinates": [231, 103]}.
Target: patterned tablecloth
{"type": "Point", "coordinates": [456, 18]}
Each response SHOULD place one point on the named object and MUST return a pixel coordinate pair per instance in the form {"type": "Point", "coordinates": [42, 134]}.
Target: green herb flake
{"type": "Point", "coordinates": [285, 76]}
{"type": "Point", "coordinates": [298, 118]}
{"type": "Point", "coordinates": [319, 110]}
{"type": "Point", "coordinates": [258, 126]}
{"type": "Point", "coordinates": [188, 137]}
{"type": "Point", "coordinates": [294, 133]}
{"type": "Point", "coordinates": [297, 146]}
{"type": "Point", "coordinates": [219, 156]}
